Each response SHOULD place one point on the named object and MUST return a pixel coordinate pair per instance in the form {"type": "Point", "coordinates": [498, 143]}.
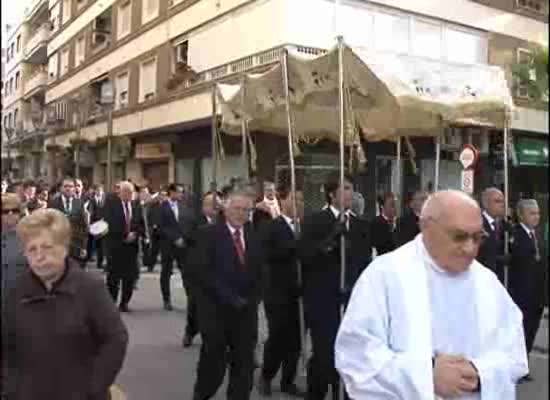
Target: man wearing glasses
{"type": "Point", "coordinates": [428, 321]}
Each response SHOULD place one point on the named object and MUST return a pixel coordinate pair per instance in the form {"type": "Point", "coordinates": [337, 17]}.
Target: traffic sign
{"type": "Point", "coordinates": [467, 181]}
{"type": "Point", "coordinates": [468, 156]}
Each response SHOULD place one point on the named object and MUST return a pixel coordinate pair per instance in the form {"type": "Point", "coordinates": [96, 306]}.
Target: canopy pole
{"type": "Point", "coordinates": [506, 197]}
{"type": "Point", "coordinates": [398, 177]}
{"type": "Point", "coordinates": [244, 130]}
{"type": "Point", "coordinates": [213, 184]}
{"type": "Point", "coordinates": [341, 106]}
{"type": "Point", "coordinates": [284, 62]}
{"type": "Point", "coordinates": [437, 161]}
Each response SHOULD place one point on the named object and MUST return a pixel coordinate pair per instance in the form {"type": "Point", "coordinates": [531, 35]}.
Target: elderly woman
{"type": "Point", "coordinates": [66, 340]}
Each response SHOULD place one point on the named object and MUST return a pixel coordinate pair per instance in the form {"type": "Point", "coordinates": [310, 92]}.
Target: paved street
{"type": "Point", "coordinates": [157, 367]}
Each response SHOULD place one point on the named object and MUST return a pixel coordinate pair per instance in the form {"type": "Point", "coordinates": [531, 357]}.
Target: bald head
{"type": "Point", "coordinates": [492, 201]}
{"type": "Point", "coordinates": [440, 204]}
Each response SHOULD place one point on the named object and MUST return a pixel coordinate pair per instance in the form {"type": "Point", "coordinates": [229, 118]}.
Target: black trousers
{"type": "Point", "coordinates": [152, 254]}
{"type": "Point", "coordinates": [122, 271]}
{"type": "Point", "coordinates": [192, 323]}
{"type": "Point", "coordinates": [100, 252]}
{"type": "Point", "coordinates": [169, 255]}
{"type": "Point", "coordinates": [282, 348]}
{"type": "Point", "coordinates": [323, 324]}
{"type": "Point", "coordinates": [224, 328]}
{"type": "Point", "coordinates": [532, 316]}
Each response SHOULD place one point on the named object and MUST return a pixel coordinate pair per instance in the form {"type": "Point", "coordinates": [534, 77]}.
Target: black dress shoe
{"type": "Point", "coordinates": [526, 378]}
{"type": "Point", "coordinates": [187, 341]}
{"type": "Point", "coordinates": [124, 308]}
{"type": "Point", "coordinates": [168, 306]}
{"type": "Point", "coordinates": [264, 387]}
{"type": "Point", "coordinates": [293, 390]}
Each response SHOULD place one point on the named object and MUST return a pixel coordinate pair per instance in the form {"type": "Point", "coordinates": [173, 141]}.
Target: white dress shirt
{"type": "Point", "coordinates": [241, 234]}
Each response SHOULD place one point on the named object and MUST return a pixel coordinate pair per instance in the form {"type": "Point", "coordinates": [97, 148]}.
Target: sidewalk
{"type": "Point", "coordinates": [541, 341]}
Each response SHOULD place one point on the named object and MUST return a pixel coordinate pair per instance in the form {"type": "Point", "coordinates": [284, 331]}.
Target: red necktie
{"type": "Point", "coordinates": [127, 217]}
{"type": "Point", "coordinates": [239, 246]}
{"type": "Point", "coordinates": [536, 243]}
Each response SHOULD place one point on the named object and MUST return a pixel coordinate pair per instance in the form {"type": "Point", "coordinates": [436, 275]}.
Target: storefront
{"type": "Point", "coordinates": [155, 163]}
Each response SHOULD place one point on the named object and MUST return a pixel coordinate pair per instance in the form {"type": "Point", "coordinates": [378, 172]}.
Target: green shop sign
{"type": "Point", "coordinates": [531, 152]}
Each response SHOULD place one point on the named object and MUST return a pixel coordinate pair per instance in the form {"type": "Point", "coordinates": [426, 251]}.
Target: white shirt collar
{"type": "Point", "coordinates": [336, 212]}
{"type": "Point", "coordinates": [526, 228]}
{"type": "Point", "coordinates": [289, 221]}
{"type": "Point", "coordinates": [232, 229]}
{"type": "Point", "coordinates": [490, 219]}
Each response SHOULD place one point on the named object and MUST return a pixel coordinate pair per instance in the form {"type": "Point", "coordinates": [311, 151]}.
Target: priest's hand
{"type": "Point", "coordinates": [448, 375]}
{"type": "Point", "coordinates": [470, 377]}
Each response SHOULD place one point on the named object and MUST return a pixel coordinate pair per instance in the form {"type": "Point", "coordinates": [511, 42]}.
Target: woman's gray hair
{"type": "Point", "coordinates": [48, 220]}
{"type": "Point", "coordinates": [523, 204]}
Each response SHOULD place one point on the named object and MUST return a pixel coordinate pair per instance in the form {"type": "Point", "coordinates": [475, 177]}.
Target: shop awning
{"type": "Point", "coordinates": [388, 95]}
{"type": "Point", "coordinates": [531, 151]}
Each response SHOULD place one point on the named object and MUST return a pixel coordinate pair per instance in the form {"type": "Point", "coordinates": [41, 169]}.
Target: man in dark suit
{"type": "Point", "coordinates": [407, 225]}
{"type": "Point", "coordinates": [153, 208]}
{"type": "Point", "coordinates": [211, 203]}
{"type": "Point", "coordinates": [74, 210]}
{"type": "Point", "coordinates": [97, 204]}
{"type": "Point", "coordinates": [382, 227]}
{"type": "Point", "coordinates": [528, 276]}
{"type": "Point", "coordinates": [282, 348]}
{"type": "Point", "coordinates": [227, 268]}
{"type": "Point", "coordinates": [176, 228]}
{"type": "Point", "coordinates": [491, 251]}
{"type": "Point", "coordinates": [125, 228]}
{"type": "Point", "coordinates": [320, 251]}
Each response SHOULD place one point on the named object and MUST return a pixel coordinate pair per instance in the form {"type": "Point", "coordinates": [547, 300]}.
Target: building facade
{"type": "Point", "coordinates": [24, 92]}
{"type": "Point", "coordinates": [163, 57]}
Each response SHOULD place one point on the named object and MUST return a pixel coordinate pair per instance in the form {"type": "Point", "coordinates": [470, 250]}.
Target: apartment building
{"type": "Point", "coordinates": [25, 89]}
{"type": "Point", "coordinates": [162, 116]}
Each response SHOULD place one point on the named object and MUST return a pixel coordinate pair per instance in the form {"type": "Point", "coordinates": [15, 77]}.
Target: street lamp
{"type": "Point", "coordinates": [107, 102]}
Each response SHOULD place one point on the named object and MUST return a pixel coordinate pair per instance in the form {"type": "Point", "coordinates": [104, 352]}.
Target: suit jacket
{"type": "Point", "coordinates": [216, 271]}
{"type": "Point", "coordinates": [491, 251]}
{"type": "Point", "coordinates": [319, 251]}
{"type": "Point", "coordinates": [79, 225]}
{"type": "Point", "coordinates": [114, 216]}
{"type": "Point", "coordinates": [96, 209]}
{"type": "Point", "coordinates": [260, 218]}
{"type": "Point", "coordinates": [407, 227]}
{"type": "Point", "coordinates": [281, 273]}
{"type": "Point", "coordinates": [172, 229]}
{"type": "Point", "coordinates": [527, 276]}
{"type": "Point", "coordinates": [383, 235]}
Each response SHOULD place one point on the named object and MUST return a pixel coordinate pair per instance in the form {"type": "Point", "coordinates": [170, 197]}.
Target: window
{"type": "Point", "coordinates": [66, 11]}
{"type": "Point", "coordinates": [54, 17]}
{"type": "Point", "coordinates": [122, 91]}
{"type": "Point", "coordinates": [181, 52]}
{"type": "Point", "coordinates": [17, 79]}
{"type": "Point", "coordinates": [124, 19]}
{"type": "Point", "coordinates": [102, 29]}
{"type": "Point", "coordinates": [465, 47]}
{"type": "Point", "coordinates": [80, 51]}
{"type": "Point", "coordinates": [12, 49]}
{"type": "Point", "coordinates": [18, 43]}
{"type": "Point", "coordinates": [64, 62]}
{"type": "Point", "coordinates": [427, 39]}
{"type": "Point", "coordinates": [52, 67]}
{"type": "Point", "coordinates": [150, 10]}
{"type": "Point", "coordinates": [148, 80]}
{"type": "Point", "coordinates": [391, 33]}
{"type": "Point", "coordinates": [9, 121]}
{"type": "Point", "coordinates": [15, 115]}
{"type": "Point", "coordinates": [523, 57]}
{"type": "Point", "coordinates": [11, 85]}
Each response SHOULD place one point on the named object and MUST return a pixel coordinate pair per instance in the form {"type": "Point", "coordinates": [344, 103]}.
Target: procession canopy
{"type": "Point", "coordinates": [386, 96]}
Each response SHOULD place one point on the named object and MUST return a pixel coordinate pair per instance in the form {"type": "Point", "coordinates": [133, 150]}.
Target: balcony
{"type": "Point", "coordinates": [36, 83]}
{"type": "Point", "coordinates": [35, 8]}
{"type": "Point", "coordinates": [37, 46]}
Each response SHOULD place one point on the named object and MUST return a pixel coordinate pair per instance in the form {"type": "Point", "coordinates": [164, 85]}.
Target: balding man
{"type": "Point", "coordinates": [126, 226]}
{"type": "Point", "coordinates": [527, 278]}
{"type": "Point", "coordinates": [491, 251]}
{"type": "Point", "coordinates": [443, 327]}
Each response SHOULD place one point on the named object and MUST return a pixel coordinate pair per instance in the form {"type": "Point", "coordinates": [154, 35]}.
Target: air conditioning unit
{"type": "Point", "coordinates": [100, 38]}
{"type": "Point", "coordinates": [451, 140]}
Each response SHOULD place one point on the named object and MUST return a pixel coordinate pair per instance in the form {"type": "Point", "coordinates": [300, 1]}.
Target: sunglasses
{"type": "Point", "coordinates": [9, 211]}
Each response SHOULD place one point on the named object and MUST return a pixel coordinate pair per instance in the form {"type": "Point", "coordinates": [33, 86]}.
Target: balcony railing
{"type": "Point", "coordinates": [248, 63]}
{"type": "Point", "coordinates": [40, 37]}
{"type": "Point", "coordinates": [38, 79]}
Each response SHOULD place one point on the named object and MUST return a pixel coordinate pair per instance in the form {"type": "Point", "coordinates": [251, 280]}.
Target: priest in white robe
{"type": "Point", "coordinates": [428, 322]}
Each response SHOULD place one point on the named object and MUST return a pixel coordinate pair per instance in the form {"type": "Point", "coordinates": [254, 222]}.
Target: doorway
{"type": "Point", "coordinates": [156, 173]}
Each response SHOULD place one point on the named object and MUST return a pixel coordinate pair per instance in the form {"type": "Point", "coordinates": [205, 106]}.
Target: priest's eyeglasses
{"type": "Point", "coordinates": [460, 237]}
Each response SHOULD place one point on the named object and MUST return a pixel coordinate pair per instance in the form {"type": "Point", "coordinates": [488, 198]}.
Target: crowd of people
{"type": "Point", "coordinates": [445, 299]}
